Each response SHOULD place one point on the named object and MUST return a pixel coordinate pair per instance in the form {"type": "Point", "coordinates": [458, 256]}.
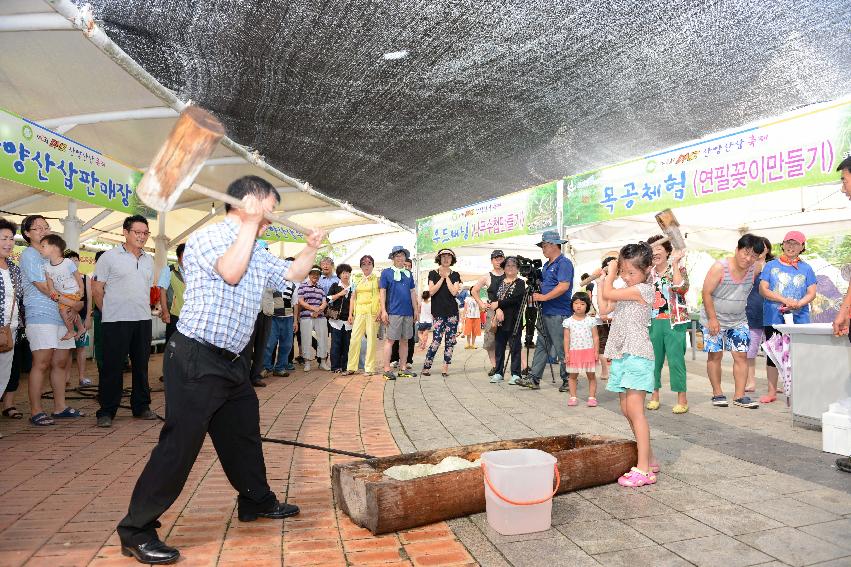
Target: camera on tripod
{"type": "Point", "coordinates": [530, 270]}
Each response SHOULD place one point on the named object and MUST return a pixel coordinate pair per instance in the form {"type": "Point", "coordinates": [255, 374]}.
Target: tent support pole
{"type": "Point", "coordinates": [88, 235]}
{"type": "Point", "coordinates": [73, 225]}
{"type": "Point", "coordinates": [180, 237]}
{"type": "Point", "coordinates": [28, 200]}
{"type": "Point", "coordinates": [96, 219]}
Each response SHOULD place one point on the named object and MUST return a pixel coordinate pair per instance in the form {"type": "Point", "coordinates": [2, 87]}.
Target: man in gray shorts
{"type": "Point", "coordinates": [397, 292]}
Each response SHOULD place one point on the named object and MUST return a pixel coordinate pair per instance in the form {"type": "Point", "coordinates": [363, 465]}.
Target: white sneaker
{"type": "Point", "coordinates": [394, 364]}
{"type": "Point", "coordinates": [86, 382]}
{"type": "Point", "coordinates": [324, 365]}
{"type": "Point", "coordinates": [307, 367]}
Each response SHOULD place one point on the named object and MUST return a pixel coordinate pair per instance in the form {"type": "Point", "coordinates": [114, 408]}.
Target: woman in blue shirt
{"type": "Point", "coordinates": [44, 327]}
{"type": "Point", "coordinates": [788, 285]}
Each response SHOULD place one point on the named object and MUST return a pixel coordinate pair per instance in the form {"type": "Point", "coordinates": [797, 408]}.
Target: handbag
{"type": "Point", "coordinates": [333, 309]}
{"type": "Point", "coordinates": [7, 338]}
{"type": "Point", "coordinates": [332, 313]}
{"type": "Point", "coordinates": [503, 292]}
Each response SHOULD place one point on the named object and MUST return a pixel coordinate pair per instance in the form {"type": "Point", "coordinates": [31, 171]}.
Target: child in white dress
{"type": "Point", "coordinates": [581, 343]}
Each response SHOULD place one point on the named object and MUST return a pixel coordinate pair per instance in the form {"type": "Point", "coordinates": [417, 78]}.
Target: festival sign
{"type": "Point", "coordinates": [278, 233]}
{"type": "Point", "coordinates": [798, 150]}
{"type": "Point", "coordinates": [525, 212]}
{"type": "Point", "coordinates": [32, 155]}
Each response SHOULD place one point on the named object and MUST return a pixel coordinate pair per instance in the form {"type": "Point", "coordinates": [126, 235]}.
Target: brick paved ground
{"type": "Point", "coordinates": [63, 488]}
{"type": "Point", "coordinates": [738, 487]}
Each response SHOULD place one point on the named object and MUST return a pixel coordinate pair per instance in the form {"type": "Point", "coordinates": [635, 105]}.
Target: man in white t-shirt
{"type": "Point", "coordinates": [122, 291]}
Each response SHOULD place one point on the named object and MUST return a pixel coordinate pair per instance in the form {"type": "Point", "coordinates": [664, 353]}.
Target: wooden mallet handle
{"type": "Point", "coordinates": [234, 202]}
{"type": "Point", "coordinates": [593, 276]}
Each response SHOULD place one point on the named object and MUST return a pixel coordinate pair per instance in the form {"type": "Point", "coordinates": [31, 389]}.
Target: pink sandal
{"type": "Point", "coordinates": [592, 402]}
{"type": "Point", "coordinates": [572, 402]}
{"type": "Point", "coordinates": [635, 478]}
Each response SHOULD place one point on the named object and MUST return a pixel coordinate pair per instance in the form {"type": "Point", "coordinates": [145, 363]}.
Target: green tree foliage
{"type": "Point", "coordinates": [581, 200]}
{"type": "Point", "coordinates": [541, 208]}
{"type": "Point", "coordinates": [424, 241]}
{"type": "Point", "coordinates": [835, 249]}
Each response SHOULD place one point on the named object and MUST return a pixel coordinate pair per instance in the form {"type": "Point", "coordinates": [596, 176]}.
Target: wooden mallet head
{"type": "Point", "coordinates": [671, 229]}
{"type": "Point", "coordinates": [173, 170]}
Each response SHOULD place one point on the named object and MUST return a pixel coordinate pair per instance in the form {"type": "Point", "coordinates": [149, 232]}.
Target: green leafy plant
{"type": "Point", "coordinates": [581, 199]}
{"type": "Point", "coordinates": [541, 208]}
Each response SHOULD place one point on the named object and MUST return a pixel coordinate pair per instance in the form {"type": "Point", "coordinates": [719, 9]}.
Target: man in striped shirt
{"type": "Point", "coordinates": [206, 363]}
{"type": "Point", "coordinates": [311, 318]}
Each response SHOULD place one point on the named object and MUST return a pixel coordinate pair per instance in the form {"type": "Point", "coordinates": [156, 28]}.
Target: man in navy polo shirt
{"type": "Point", "coordinates": [554, 301]}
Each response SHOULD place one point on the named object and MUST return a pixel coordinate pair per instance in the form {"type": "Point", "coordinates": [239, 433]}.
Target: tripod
{"type": "Point", "coordinates": [539, 326]}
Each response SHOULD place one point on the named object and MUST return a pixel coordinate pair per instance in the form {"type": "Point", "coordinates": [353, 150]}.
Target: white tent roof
{"type": "Point", "coordinates": [54, 75]}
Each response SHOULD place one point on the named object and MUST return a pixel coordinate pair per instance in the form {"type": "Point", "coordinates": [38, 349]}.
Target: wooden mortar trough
{"type": "Point", "coordinates": [383, 505]}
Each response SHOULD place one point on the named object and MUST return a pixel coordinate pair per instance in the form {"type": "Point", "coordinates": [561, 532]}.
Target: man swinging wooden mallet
{"type": "Point", "coordinates": [206, 361]}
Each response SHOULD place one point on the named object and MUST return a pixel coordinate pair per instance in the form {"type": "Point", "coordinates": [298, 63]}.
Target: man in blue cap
{"type": "Point", "coordinates": [554, 301]}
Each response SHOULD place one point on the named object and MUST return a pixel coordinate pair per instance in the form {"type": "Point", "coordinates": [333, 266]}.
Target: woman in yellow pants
{"type": "Point", "coordinates": [363, 315]}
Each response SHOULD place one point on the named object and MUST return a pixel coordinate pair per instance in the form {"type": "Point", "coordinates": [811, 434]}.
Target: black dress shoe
{"type": "Point", "coordinates": [278, 511]}
{"type": "Point", "coordinates": [258, 383]}
{"type": "Point", "coordinates": [153, 552]}
{"type": "Point", "coordinates": [147, 414]}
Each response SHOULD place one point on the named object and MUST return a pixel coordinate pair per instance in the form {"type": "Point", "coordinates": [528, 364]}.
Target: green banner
{"type": "Point", "coordinates": [797, 150]}
{"type": "Point", "coordinates": [525, 212]}
{"type": "Point", "coordinates": [37, 157]}
{"type": "Point", "coordinates": [278, 233]}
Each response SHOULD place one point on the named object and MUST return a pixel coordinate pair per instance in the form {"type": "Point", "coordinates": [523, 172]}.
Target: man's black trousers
{"type": "Point", "coordinates": [257, 344]}
{"type": "Point", "coordinates": [204, 393]}
{"type": "Point", "coordinates": [503, 338]}
{"type": "Point", "coordinates": [120, 339]}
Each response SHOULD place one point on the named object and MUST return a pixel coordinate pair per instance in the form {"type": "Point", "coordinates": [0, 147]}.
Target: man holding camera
{"type": "Point", "coordinates": [554, 301]}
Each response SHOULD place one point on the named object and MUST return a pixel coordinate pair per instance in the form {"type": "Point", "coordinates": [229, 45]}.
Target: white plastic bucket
{"type": "Point", "coordinates": [519, 490]}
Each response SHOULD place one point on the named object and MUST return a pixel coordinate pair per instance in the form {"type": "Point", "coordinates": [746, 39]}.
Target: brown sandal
{"type": "Point", "coordinates": [12, 413]}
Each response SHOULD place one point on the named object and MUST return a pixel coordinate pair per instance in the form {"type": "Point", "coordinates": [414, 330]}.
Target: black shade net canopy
{"type": "Point", "coordinates": [406, 109]}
